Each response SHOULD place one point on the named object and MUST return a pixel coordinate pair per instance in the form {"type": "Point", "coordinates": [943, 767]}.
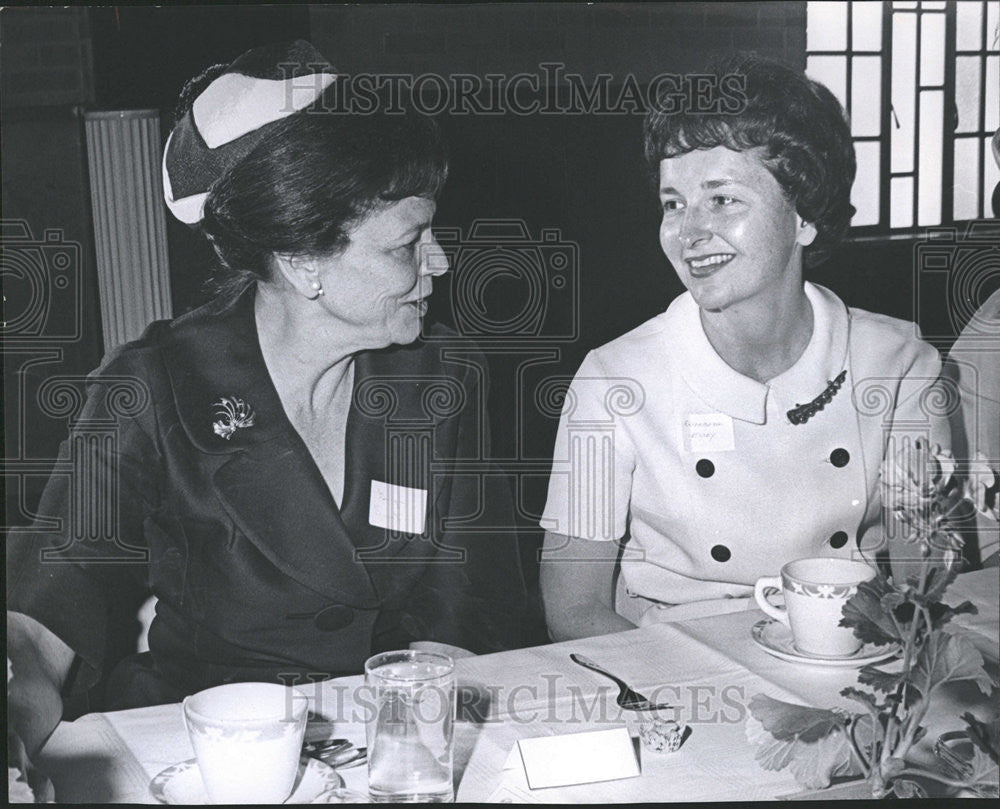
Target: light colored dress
{"type": "Point", "coordinates": [704, 468]}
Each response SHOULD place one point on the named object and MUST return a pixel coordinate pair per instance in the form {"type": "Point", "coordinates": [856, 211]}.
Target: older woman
{"type": "Point", "coordinates": [745, 426]}
{"type": "Point", "coordinates": [290, 479]}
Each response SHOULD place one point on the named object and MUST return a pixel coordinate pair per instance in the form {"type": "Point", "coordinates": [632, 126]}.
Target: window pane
{"type": "Point", "coordinates": [866, 26]}
{"type": "Point", "coordinates": [826, 26]}
{"type": "Point", "coordinates": [932, 49]}
{"type": "Point", "coordinates": [992, 93]}
{"type": "Point", "coordinates": [936, 6]}
{"type": "Point", "coordinates": [831, 71]}
{"type": "Point", "coordinates": [905, 4]}
{"type": "Point", "coordinates": [901, 203]}
{"type": "Point", "coordinates": [865, 193]}
{"type": "Point", "coordinates": [967, 93]}
{"type": "Point", "coordinates": [904, 68]}
{"type": "Point", "coordinates": [990, 179]}
{"type": "Point", "coordinates": [969, 25]}
{"type": "Point", "coordinates": [931, 132]}
{"type": "Point", "coordinates": [866, 95]}
{"type": "Point", "coordinates": [966, 178]}
{"type": "Point", "coordinates": [992, 22]}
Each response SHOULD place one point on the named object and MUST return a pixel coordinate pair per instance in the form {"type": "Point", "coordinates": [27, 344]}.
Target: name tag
{"type": "Point", "coordinates": [708, 432]}
{"type": "Point", "coordinates": [397, 508]}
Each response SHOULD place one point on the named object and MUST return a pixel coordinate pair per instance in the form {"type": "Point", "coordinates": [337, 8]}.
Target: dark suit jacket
{"type": "Point", "coordinates": [257, 571]}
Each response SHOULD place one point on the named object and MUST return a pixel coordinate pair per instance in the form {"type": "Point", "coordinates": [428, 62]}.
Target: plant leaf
{"type": "Point", "coordinates": [948, 658]}
{"type": "Point", "coordinates": [938, 579]}
{"type": "Point", "coordinates": [786, 721]}
{"type": "Point", "coordinates": [884, 681]}
{"type": "Point", "coordinates": [864, 697]}
{"type": "Point", "coordinates": [813, 764]}
{"type": "Point", "coordinates": [942, 613]}
{"type": "Point", "coordinates": [984, 735]}
{"type": "Point", "coordinates": [865, 614]}
{"type": "Point", "coordinates": [892, 600]}
{"type": "Point", "coordinates": [904, 788]}
{"type": "Point", "coordinates": [985, 776]}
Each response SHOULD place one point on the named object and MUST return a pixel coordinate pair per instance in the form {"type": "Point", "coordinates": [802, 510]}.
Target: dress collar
{"type": "Point", "coordinates": [727, 391]}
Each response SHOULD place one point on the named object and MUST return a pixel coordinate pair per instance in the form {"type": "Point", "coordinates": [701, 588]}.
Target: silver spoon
{"type": "Point", "coordinates": [628, 698]}
{"type": "Point", "coordinates": [338, 753]}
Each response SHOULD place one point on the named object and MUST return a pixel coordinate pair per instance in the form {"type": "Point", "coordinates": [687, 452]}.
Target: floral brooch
{"type": "Point", "coordinates": [235, 413]}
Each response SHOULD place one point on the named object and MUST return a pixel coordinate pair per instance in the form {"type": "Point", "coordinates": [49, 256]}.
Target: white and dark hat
{"type": "Point", "coordinates": [232, 114]}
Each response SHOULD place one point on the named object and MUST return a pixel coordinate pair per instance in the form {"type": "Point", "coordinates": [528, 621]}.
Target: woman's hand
{"type": "Point", "coordinates": [40, 663]}
{"type": "Point", "coordinates": [577, 581]}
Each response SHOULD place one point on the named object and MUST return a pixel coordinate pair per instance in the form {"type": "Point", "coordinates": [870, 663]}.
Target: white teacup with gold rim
{"type": "Point", "coordinates": [815, 591]}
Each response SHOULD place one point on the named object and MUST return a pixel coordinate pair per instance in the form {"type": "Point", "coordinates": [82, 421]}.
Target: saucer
{"type": "Point", "coordinates": [181, 784]}
{"type": "Point", "coordinates": [776, 639]}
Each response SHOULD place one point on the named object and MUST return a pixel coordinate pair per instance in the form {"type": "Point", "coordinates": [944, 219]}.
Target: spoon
{"type": "Point", "coordinates": [338, 753]}
{"type": "Point", "coordinates": [628, 698]}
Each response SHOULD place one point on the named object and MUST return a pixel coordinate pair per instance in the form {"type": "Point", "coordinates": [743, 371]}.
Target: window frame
{"type": "Point", "coordinates": [883, 231]}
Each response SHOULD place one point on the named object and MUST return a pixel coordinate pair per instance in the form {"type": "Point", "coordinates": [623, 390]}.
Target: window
{"type": "Point", "coordinates": [921, 83]}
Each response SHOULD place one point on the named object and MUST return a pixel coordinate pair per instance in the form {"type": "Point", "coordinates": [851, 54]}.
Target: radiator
{"type": "Point", "coordinates": [130, 232]}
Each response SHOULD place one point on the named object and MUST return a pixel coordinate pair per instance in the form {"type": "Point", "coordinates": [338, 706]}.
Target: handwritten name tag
{"type": "Point", "coordinates": [575, 758]}
{"type": "Point", "coordinates": [397, 508]}
{"type": "Point", "coordinates": [708, 432]}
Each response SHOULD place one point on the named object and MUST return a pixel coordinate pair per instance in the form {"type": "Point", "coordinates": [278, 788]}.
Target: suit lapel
{"type": "Point", "coordinates": [266, 478]}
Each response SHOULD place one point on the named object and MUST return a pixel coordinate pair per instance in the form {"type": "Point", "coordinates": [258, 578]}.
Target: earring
{"type": "Point", "coordinates": [317, 288]}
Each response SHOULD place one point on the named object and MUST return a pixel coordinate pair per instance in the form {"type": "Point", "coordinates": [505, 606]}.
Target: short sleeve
{"type": "Point", "coordinates": [924, 397]}
{"type": "Point", "coordinates": [594, 457]}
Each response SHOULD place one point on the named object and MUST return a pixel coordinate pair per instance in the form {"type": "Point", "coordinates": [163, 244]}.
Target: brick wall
{"type": "Point", "coordinates": [641, 39]}
{"type": "Point", "coordinates": [46, 57]}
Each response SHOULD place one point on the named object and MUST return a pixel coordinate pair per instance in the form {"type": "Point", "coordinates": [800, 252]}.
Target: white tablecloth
{"type": "Point", "coordinates": [709, 668]}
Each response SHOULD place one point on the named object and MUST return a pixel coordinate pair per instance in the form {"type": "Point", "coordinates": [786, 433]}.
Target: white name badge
{"type": "Point", "coordinates": [575, 758]}
{"type": "Point", "coordinates": [708, 432]}
{"type": "Point", "coordinates": [397, 508]}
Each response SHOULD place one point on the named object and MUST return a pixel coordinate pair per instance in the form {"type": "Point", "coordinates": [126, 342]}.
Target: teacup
{"type": "Point", "coordinates": [247, 738]}
{"type": "Point", "coordinates": [815, 593]}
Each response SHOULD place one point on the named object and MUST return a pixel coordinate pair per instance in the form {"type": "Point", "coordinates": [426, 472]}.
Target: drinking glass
{"type": "Point", "coordinates": [410, 728]}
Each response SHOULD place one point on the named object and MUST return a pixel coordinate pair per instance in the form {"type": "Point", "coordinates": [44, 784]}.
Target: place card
{"type": "Point", "coordinates": [575, 758]}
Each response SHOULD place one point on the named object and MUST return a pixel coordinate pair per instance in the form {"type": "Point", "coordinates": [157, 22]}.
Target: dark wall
{"type": "Point", "coordinates": [643, 39]}
{"type": "Point", "coordinates": [51, 314]}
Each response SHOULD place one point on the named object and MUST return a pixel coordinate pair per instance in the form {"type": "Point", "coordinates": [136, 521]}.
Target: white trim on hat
{"type": "Point", "coordinates": [234, 104]}
{"type": "Point", "coordinates": [188, 210]}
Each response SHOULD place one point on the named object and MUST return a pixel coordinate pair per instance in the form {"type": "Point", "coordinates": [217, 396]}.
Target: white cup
{"type": "Point", "coordinates": [247, 738]}
{"type": "Point", "coordinates": [815, 593]}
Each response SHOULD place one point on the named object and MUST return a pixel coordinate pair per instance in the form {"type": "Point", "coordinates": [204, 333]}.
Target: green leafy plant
{"type": "Point", "coordinates": [924, 502]}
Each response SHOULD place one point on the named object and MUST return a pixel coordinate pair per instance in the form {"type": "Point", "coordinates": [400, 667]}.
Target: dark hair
{"type": "Point", "coordinates": [797, 122]}
{"type": "Point", "coordinates": [312, 177]}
